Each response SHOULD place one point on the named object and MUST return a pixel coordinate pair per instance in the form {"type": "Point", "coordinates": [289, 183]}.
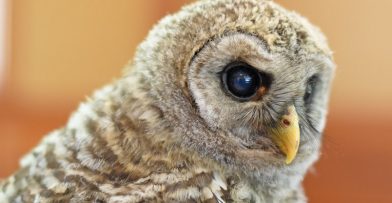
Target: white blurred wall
{"type": "Point", "coordinates": [4, 36]}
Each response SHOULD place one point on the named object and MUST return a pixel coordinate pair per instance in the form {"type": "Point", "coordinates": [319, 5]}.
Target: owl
{"type": "Point", "coordinates": [225, 101]}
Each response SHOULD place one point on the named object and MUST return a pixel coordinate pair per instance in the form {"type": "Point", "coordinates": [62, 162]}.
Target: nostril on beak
{"type": "Point", "coordinates": [286, 122]}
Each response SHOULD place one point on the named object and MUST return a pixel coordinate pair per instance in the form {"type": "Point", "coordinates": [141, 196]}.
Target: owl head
{"type": "Point", "coordinates": [242, 83]}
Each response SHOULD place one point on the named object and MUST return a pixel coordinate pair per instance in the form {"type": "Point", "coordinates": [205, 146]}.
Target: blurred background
{"type": "Point", "coordinates": [55, 53]}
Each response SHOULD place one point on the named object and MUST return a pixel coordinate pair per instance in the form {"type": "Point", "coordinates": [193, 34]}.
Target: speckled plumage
{"type": "Point", "coordinates": [167, 132]}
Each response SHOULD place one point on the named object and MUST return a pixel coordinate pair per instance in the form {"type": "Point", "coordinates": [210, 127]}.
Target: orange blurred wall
{"type": "Point", "coordinates": [62, 50]}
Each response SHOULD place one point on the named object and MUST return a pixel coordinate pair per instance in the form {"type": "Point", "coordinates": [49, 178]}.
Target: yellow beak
{"type": "Point", "coordinates": [287, 135]}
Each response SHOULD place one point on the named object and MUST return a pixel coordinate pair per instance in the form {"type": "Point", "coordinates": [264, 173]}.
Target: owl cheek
{"type": "Point", "coordinates": [211, 115]}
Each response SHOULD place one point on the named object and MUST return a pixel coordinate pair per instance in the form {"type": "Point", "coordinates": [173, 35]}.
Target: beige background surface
{"type": "Point", "coordinates": [60, 51]}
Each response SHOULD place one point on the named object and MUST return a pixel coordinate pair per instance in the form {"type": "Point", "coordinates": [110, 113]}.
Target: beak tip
{"type": "Point", "coordinates": [289, 160]}
{"type": "Point", "coordinates": [291, 154]}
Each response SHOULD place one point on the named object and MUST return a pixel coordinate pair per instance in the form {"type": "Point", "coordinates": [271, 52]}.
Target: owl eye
{"type": "Point", "coordinates": [241, 80]}
{"type": "Point", "coordinates": [310, 88]}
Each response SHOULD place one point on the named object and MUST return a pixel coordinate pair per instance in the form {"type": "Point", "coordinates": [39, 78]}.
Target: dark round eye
{"type": "Point", "coordinates": [310, 88]}
{"type": "Point", "coordinates": [241, 80]}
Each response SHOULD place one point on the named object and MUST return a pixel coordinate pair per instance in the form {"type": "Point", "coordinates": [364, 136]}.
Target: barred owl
{"type": "Point", "coordinates": [225, 101]}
